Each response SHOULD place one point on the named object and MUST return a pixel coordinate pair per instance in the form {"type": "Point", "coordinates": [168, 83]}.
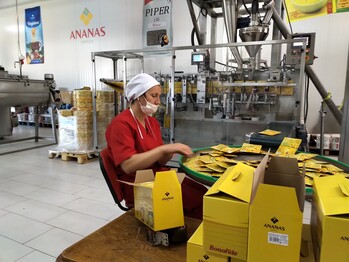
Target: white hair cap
{"type": "Point", "coordinates": [138, 85]}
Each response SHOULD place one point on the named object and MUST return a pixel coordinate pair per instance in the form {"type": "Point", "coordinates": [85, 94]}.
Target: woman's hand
{"type": "Point", "coordinates": [177, 148]}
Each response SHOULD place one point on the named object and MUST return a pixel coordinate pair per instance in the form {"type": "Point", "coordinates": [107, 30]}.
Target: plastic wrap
{"type": "Point", "coordinates": [75, 131]}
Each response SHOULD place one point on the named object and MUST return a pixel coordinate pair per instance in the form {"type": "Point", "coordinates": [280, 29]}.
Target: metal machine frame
{"type": "Point", "coordinates": [253, 37]}
{"type": "Point", "coordinates": [142, 54]}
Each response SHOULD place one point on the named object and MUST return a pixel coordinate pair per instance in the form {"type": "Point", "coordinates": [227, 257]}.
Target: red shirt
{"type": "Point", "coordinates": [124, 140]}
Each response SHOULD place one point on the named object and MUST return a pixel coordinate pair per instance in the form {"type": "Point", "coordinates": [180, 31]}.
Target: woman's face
{"type": "Point", "coordinates": [153, 95]}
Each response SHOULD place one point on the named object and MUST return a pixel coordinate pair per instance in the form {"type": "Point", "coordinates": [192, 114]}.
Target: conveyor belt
{"type": "Point", "coordinates": [287, 129]}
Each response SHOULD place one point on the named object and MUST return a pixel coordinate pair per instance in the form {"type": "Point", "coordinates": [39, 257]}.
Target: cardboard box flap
{"type": "Point", "coordinates": [269, 196]}
{"type": "Point", "coordinates": [284, 171]}
{"type": "Point", "coordinates": [144, 176]}
{"type": "Point", "coordinates": [181, 177]}
{"type": "Point", "coordinates": [259, 175]}
{"type": "Point", "coordinates": [236, 182]}
{"type": "Point", "coordinates": [332, 191]}
{"type": "Point", "coordinates": [214, 189]}
{"type": "Point", "coordinates": [166, 179]}
{"type": "Point", "coordinates": [283, 165]}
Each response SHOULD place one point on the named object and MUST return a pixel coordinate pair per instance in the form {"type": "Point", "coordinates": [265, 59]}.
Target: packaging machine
{"type": "Point", "coordinates": [223, 92]}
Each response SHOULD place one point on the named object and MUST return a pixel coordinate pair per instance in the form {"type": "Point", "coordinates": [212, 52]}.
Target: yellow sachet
{"type": "Point", "coordinates": [288, 146]}
{"type": "Point", "coordinates": [216, 168]}
{"type": "Point", "coordinates": [250, 148]}
{"type": "Point", "coordinates": [270, 132]}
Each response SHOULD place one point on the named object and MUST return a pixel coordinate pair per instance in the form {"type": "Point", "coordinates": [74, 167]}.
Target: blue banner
{"type": "Point", "coordinates": [34, 40]}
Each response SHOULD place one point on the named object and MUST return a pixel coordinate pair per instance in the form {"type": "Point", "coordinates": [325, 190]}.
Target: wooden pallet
{"type": "Point", "coordinates": [80, 157]}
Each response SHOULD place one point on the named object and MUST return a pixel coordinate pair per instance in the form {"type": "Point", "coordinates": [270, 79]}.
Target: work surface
{"type": "Point", "coordinates": [124, 239]}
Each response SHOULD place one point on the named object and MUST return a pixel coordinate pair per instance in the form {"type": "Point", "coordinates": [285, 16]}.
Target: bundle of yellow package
{"type": "Point", "coordinates": [82, 99]}
{"type": "Point", "coordinates": [103, 97]}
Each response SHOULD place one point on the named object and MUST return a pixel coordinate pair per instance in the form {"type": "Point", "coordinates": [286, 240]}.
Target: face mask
{"type": "Point", "coordinates": [149, 108]}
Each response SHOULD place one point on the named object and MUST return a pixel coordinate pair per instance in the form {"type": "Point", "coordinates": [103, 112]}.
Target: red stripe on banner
{"type": "Point", "coordinates": [147, 2]}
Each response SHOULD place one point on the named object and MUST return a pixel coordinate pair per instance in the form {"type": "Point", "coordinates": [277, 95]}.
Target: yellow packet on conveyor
{"type": "Point", "coordinates": [270, 132]}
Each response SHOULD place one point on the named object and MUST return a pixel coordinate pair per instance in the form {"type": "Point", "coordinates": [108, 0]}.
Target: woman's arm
{"type": "Point", "coordinates": [161, 154]}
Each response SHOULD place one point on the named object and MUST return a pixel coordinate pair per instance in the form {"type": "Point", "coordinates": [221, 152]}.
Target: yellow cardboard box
{"type": "Point", "coordinates": [330, 218]}
{"type": "Point", "coordinates": [196, 252]}
{"type": "Point", "coordinates": [158, 200]}
{"type": "Point", "coordinates": [226, 213]}
{"type": "Point", "coordinates": [276, 212]}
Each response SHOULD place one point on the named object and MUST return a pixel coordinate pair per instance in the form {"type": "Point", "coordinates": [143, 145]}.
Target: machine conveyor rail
{"type": "Point", "coordinates": [258, 84]}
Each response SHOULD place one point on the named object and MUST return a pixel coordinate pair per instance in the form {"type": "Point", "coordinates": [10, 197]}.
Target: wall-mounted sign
{"type": "Point", "coordinates": [88, 32]}
{"type": "Point", "coordinates": [157, 23]}
{"type": "Point", "coordinates": [34, 40]}
{"type": "Point", "coordinates": [300, 9]}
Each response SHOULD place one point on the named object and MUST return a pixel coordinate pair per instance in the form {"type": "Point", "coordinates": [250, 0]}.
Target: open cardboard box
{"type": "Point", "coordinates": [276, 212]}
{"type": "Point", "coordinates": [158, 199]}
{"type": "Point", "coordinates": [330, 218]}
{"type": "Point", "coordinates": [226, 213]}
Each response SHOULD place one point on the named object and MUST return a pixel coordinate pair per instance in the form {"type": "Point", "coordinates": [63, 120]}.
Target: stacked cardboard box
{"type": "Point", "coordinates": [196, 251]}
{"type": "Point", "coordinates": [276, 212]}
{"type": "Point", "coordinates": [245, 215]}
{"type": "Point", "coordinates": [330, 218]}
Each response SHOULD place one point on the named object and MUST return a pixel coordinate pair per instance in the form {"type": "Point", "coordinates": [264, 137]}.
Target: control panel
{"type": "Point", "coordinates": [295, 50]}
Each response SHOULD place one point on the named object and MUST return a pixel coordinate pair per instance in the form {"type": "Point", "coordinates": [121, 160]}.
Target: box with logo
{"type": "Point", "coordinates": [226, 212]}
{"type": "Point", "coordinates": [158, 200]}
{"type": "Point", "coordinates": [330, 218]}
{"type": "Point", "coordinates": [276, 212]}
{"type": "Point", "coordinates": [196, 251]}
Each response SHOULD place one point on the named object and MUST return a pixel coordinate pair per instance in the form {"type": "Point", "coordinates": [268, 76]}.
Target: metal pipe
{"type": "Point", "coordinates": [324, 94]}
{"type": "Point", "coordinates": [309, 71]}
{"type": "Point", "coordinates": [343, 146]}
{"type": "Point", "coordinates": [193, 19]}
{"type": "Point", "coordinates": [322, 128]}
{"type": "Point", "coordinates": [229, 14]}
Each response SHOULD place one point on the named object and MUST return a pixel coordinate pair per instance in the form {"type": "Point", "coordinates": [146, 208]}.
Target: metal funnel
{"type": "Point", "coordinates": [253, 33]}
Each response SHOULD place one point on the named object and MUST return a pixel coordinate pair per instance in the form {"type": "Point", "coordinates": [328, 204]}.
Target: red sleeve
{"type": "Point", "coordinates": [120, 139]}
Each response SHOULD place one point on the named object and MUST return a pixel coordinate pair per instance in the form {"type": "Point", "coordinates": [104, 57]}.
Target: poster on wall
{"type": "Point", "coordinates": [300, 9]}
{"type": "Point", "coordinates": [342, 5]}
{"type": "Point", "coordinates": [157, 23]}
{"type": "Point", "coordinates": [34, 40]}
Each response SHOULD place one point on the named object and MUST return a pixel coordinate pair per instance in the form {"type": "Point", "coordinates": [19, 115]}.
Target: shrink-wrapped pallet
{"type": "Point", "coordinates": [75, 131]}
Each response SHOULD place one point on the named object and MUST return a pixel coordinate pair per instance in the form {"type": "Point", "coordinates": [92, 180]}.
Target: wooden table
{"type": "Point", "coordinates": [124, 239]}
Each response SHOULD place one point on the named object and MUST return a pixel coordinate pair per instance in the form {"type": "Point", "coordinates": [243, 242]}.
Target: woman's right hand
{"type": "Point", "coordinates": [178, 148]}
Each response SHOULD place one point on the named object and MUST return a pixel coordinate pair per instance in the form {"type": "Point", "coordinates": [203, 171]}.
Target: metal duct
{"type": "Point", "coordinates": [230, 21]}
{"type": "Point", "coordinates": [255, 32]}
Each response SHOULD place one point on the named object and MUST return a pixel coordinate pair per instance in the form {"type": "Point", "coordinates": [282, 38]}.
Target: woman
{"type": "Point", "coordinates": [135, 143]}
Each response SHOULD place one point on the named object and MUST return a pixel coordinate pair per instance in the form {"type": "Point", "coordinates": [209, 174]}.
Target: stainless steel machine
{"type": "Point", "coordinates": [221, 93]}
{"type": "Point", "coordinates": [20, 91]}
